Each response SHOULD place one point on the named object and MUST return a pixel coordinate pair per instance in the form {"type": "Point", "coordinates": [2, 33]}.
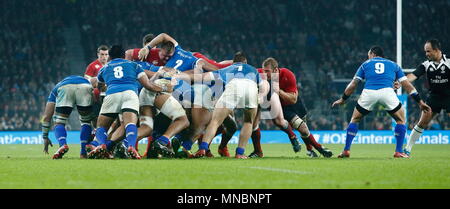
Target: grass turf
{"type": "Point", "coordinates": [370, 167]}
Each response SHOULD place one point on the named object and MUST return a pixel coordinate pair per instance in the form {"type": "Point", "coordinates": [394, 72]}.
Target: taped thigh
{"type": "Point", "coordinates": [172, 109]}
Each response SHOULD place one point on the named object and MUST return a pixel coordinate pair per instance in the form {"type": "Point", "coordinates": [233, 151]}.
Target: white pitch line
{"type": "Point", "coordinates": [281, 170]}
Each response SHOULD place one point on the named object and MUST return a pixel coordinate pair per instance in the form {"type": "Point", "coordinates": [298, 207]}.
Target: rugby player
{"type": "Point", "coordinates": [243, 88]}
{"type": "Point", "coordinates": [71, 91]}
{"type": "Point", "coordinates": [380, 74]}
{"type": "Point", "coordinates": [437, 72]}
{"type": "Point", "coordinates": [284, 84]}
{"type": "Point", "coordinates": [121, 77]}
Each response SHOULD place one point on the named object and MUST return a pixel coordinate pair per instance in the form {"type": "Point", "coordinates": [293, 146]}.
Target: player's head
{"type": "Point", "coordinates": [147, 38]}
{"type": "Point", "coordinates": [375, 51]}
{"type": "Point", "coordinates": [102, 54]}
{"type": "Point", "coordinates": [167, 50]}
{"type": "Point", "coordinates": [270, 65]}
{"type": "Point", "coordinates": [433, 50]}
{"type": "Point", "coordinates": [116, 51]}
{"type": "Point", "coordinates": [240, 57]}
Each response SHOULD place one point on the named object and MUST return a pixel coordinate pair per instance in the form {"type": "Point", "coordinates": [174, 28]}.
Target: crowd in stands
{"type": "Point", "coordinates": [322, 41]}
{"type": "Point", "coordinates": [32, 60]}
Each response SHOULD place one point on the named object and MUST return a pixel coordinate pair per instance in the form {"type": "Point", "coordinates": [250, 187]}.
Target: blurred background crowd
{"type": "Point", "coordinates": [323, 42]}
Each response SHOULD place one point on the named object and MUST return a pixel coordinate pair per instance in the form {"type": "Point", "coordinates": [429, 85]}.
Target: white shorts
{"type": "Point", "coordinates": [74, 94]}
{"type": "Point", "coordinates": [239, 93]}
{"type": "Point", "coordinates": [386, 96]}
{"type": "Point", "coordinates": [203, 96]}
{"type": "Point", "coordinates": [147, 97]}
{"type": "Point", "coordinates": [115, 103]}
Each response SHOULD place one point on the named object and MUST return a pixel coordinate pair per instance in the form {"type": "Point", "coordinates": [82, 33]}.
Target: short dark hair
{"type": "Point", "coordinates": [102, 48]}
{"type": "Point", "coordinates": [435, 44]}
{"type": "Point", "coordinates": [147, 38]}
{"type": "Point", "coordinates": [377, 50]}
{"type": "Point", "coordinates": [168, 46]}
{"type": "Point", "coordinates": [116, 51]}
{"type": "Point", "coordinates": [272, 62]}
{"type": "Point", "coordinates": [239, 57]}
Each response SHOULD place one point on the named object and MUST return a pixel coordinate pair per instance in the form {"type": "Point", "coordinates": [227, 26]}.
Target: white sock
{"type": "Point", "coordinates": [415, 135]}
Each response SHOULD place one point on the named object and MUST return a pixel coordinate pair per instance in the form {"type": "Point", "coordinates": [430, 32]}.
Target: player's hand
{"type": "Point", "coordinates": [340, 101]}
{"type": "Point", "coordinates": [47, 142]}
{"type": "Point", "coordinates": [143, 53]}
{"type": "Point", "coordinates": [169, 88]}
{"type": "Point", "coordinates": [397, 85]}
{"type": "Point", "coordinates": [424, 107]}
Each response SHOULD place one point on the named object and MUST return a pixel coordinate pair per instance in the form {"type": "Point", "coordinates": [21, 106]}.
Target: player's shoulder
{"type": "Point", "coordinates": [286, 72]}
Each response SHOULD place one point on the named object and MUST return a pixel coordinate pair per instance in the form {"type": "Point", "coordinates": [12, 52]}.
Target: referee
{"type": "Point", "coordinates": [437, 72]}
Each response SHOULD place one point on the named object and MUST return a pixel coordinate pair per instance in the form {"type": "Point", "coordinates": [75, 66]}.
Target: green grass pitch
{"type": "Point", "coordinates": [370, 167]}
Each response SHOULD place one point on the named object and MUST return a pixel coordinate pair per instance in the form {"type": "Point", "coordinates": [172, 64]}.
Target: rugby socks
{"type": "Point", "coordinates": [85, 135]}
{"type": "Point", "coordinates": [256, 139]}
{"type": "Point", "coordinates": [313, 142]}
{"type": "Point", "coordinates": [125, 142]}
{"type": "Point", "coordinates": [131, 134]}
{"type": "Point", "coordinates": [187, 144]}
{"type": "Point", "coordinates": [307, 142]}
{"type": "Point", "coordinates": [399, 132]}
{"type": "Point", "coordinates": [240, 151]}
{"type": "Point", "coordinates": [225, 139]}
{"type": "Point", "coordinates": [164, 140]}
{"type": "Point", "coordinates": [415, 135]}
{"type": "Point", "coordinates": [288, 130]}
{"type": "Point", "coordinates": [100, 133]}
{"type": "Point", "coordinates": [352, 130]}
{"type": "Point", "coordinates": [61, 134]}
{"type": "Point", "coordinates": [204, 146]}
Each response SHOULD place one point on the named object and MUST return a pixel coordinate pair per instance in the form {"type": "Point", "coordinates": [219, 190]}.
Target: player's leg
{"type": "Point", "coordinates": [352, 129]}
{"type": "Point", "coordinates": [394, 107]}
{"type": "Point", "coordinates": [86, 117]}
{"type": "Point", "coordinates": [64, 104]}
{"type": "Point", "coordinates": [145, 122]}
{"type": "Point", "coordinates": [256, 136]}
{"type": "Point", "coordinates": [109, 111]}
{"type": "Point", "coordinates": [170, 107]}
{"type": "Point", "coordinates": [60, 120]}
{"type": "Point", "coordinates": [424, 121]}
{"type": "Point", "coordinates": [130, 117]}
{"type": "Point", "coordinates": [278, 118]}
{"type": "Point", "coordinates": [218, 116]}
{"type": "Point", "coordinates": [230, 126]}
{"type": "Point", "coordinates": [365, 104]}
{"type": "Point", "coordinates": [246, 131]}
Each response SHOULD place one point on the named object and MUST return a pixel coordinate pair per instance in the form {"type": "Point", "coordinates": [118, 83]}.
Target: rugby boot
{"type": "Point", "coordinates": [223, 152]}
{"type": "Point", "coordinates": [60, 152]}
{"type": "Point", "coordinates": [237, 156]}
{"type": "Point", "coordinates": [400, 155]}
{"type": "Point", "coordinates": [295, 144]}
{"type": "Point", "coordinates": [256, 155]}
{"type": "Point", "coordinates": [325, 152]}
{"type": "Point", "coordinates": [134, 154]}
{"type": "Point", "coordinates": [344, 154]}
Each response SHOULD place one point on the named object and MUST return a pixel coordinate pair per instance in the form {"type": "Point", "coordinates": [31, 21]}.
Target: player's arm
{"type": "Point", "coordinates": [263, 90]}
{"type": "Point", "coordinates": [46, 119]}
{"type": "Point", "coordinates": [205, 65]}
{"type": "Point", "coordinates": [290, 95]}
{"type": "Point", "coordinates": [149, 85]}
{"type": "Point", "coordinates": [163, 37]}
{"type": "Point", "coordinates": [351, 87]}
{"type": "Point", "coordinates": [129, 54]}
{"type": "Point", "coordinates": [88, 74]}
{"type": "Point", "coordinates": [411, 90]}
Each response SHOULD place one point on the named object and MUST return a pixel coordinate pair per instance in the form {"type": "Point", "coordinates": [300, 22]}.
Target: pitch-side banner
{"type": "Point", "coordinates": [267, 137]}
